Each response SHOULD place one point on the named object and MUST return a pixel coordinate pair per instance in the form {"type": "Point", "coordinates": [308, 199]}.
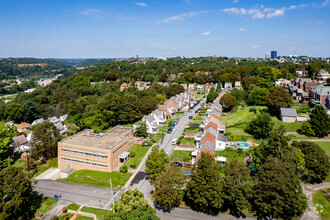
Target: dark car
{"type": "Point", "coordinates": [175, 122]}
{"type": "Point", "coordinates": [169, 131]}
{"type": "Point", "coordinates": [196, 111]}
{"type": "Point", "coordinates": [190, 117]}
{"type": "Point", "coordinates": [179, 164]}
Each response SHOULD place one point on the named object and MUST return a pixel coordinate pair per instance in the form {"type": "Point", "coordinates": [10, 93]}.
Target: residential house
{"type": "Point", "coordinates": [205, 151]}
{"type": "Point", "coordinates": [301, 72]}
{"type": "Point", "coordinates": [21, 144]}
{"type": "Point", "coordinates": [221, 142]}
{"type": "Point", "coordinates": [238, 85]}
{"type": "Point", "coordinates": [288, 114]}
{"type": "Point", "coordinates": [200, 87]}
{"type": "Point", "coordinates": [58, 124]}
{"type": "Point", "coordinates": [159, 117]}
{"type": "Point", "coordinates": [38, 121]}
{"type": "Point", "coordinates": [323, 75]}
{"type": "Point", "coordinates": [318, 94]}
{"type": "Point", "coordinates": [63, 118]}
{"type": "Point", "coordinates": [228, 85]}
{"type": "Point", "coordinates": [124, 86]}
{"type": "Point", "coordinates": [309, 84]}
{"type": "Point", "coordinates": [23, 127]}
{"type": "Point", "coordinates": [151, 123]}
{"type": "Point", "coordinates": [140, 85]}
{"type": "Point", "coordinates": [191, 87]}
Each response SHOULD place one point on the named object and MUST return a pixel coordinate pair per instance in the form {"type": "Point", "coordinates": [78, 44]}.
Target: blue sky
{"type": "Point", "coordinates": [125, 28]}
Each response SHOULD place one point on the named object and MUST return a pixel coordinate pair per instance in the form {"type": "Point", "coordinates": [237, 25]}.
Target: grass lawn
{"type": "Point", "coordinates": [44, 204]}
{"type": "Point", "coordinates": [84, 218]}
{"type": "Point", "coordinates": [12, 96]}
{"type": "Point", "coordinates": [98, 178]}
{"type": "Point", "coordinates": [188, 141]}
{"type": "Point", "coordinates": [62, 217]}
{"type": "Point", "coordinates": [200, 96]}
{"type": "Point", "coordinates": [322, 204]}
{"type": "Point", "coordinates": [197, 118]}
{"type": "Point", "coordinates": [191, 130]}
{"type": "Point", "coordinates": [100, 213]}
{"type": "Point", "coordinates": [231, 154]}
{"type": "Point", "coordinates": [182, 155]}
{"type": "Point", "coordinates": [325, 145]}
{"type": "Point", "coordinates": [40, 168]}
{"type": "Point", "coordinates": [140, 152]}
{"type": "Point", "coordinates": [74, 206]}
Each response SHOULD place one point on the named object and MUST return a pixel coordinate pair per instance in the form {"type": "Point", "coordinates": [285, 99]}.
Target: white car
{"type": "Point", "coordinates": [185, 113]}
{"type": "Point", "coordinates": [174, 141]}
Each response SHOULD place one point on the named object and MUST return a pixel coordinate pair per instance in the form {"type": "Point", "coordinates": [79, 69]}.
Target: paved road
{"type": "Point", "coordinates": [72, 192]}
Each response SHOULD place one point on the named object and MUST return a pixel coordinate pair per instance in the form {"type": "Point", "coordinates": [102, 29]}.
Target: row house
{"type": "Point", "coordinates": [124, 86]}
{"type": "Point", "coordinates": [319, 94]}
{"type": "Point", "coordinates": [228, 85]}
{"type": "Point", "coordinates": [238, 85]}
{"type": "Point", "coordinates": [323, 75]}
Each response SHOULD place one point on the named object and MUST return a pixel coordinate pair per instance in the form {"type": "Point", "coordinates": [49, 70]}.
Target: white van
{"type": "Point", "coordinates": [174, 141]}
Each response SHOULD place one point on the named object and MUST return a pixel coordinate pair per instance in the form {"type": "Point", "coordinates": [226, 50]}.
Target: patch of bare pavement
{"type": "Point", "coordinates": [309, 189]}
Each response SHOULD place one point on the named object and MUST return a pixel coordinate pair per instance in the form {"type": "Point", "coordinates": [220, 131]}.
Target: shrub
{"type": "Point", "coordinates": [54, 218]}
{"type": "Point", "coordinates": [186, 159]}
{"type": "Point", "coordinates": [306, 128]}
{"type": "Point", "coordinates": [123, 169]}
{"type": "Point", "coordinates": [234, 109]}
{"type": "Point", "coordinates": [253, 109]}
{"type": "Point", "coordinates": [153, 140]}
{"type": "Point", "coordinates": [133, 166]}
{"type": "Point", "coordinates": [150, 143]}
{"type": "Point", "coordinates": [64, 209]}
{"type": "Point", "coordinates": [179, 140]}
{"type": "Point", "coordinates": [132, 154]}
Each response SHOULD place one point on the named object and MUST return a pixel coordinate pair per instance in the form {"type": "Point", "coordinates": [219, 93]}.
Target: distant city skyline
{"type": "Point", "coordinates": [154, 28]}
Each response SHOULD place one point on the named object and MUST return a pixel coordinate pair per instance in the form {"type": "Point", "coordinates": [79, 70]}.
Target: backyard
{"type": "Point", "coordinates": [181, 155]}
{"type": "Point", "coordinates": [98, 178]}
{"type": "Point", "coordinates": [322, 203]}
{"type": "Point", "coordinates": [232, 154]}
{"type": "Point", "coordinates": [140, 152]}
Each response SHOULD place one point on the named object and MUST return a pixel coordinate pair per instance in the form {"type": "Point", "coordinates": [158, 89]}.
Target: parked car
{"type": "Point", "coordinates": [190, 117]}
{"type": "Point", "coordinates": [169, 131]}
{"type": "Point", "coordinates": [174, 141]}
{"type": "Point", "coordinates": [175, 122]}
{"type": "Point", "coordinates": [179, 164]}
{"type": "Point", "coordinates": [187, 165]}
{"type": "Point", "coordinates": [196, 111]}
{"type": "Point", "coordinates": [185, 113]}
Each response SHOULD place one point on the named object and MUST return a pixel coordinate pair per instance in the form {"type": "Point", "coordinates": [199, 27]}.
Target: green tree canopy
{"type": "Point", "coordinates": [258, 96]}
{"type": "Point", "coordinates": [316, 161]}
{"type": "Point", "coordinates": [260, 126]}
{"type": "Point", "coordinates": [16, 194]}
{"type": "Point", "coordinates": [6, 139]}
{"type": "Point", "coordinates": [212, 95]}
{"type": "Point", "coordinates": [239, 94]}
{"type": "Point", "coordinates": [277, 193]}
{"type": "Point", "coordinates": [320, 121]}
{"type": "Point", "coordinates": [168, 191]}
{"type": "Point", "coordinates": [278, 98]}
{"type": "Point", "coordinates": [237, 189]}
{"type": "Point", "coordinates": [204, 191]}
{"type": "Point", "coordinates": [156, 162]}
{"type": "Point", "coordinates": [228, 102]}
{"type": "Point", "coordinates": [44, 141]}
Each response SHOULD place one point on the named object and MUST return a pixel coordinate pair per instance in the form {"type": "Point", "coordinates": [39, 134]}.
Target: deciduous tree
{"type": "Point", "coordinates": [320, 121]}
{"type": "Point", "coordinates": [277, 193]}
{"type": "Point", "coordinates": [278, 98]}
{"type": "Point", "coordinates": [260, 126]}
{"type": "Point", "coordinates": [204, 190]}
{"type": "Point", "coordinates": [168, 191]}
{"type": "Point", "coordinates": [258, 96]}
{"type": "Point", "coordinates": [44, 141]}
{"type": "Point", "coordinates": [228, 101]}
{"type": "Point", "coordinates": [6, 139]}
{"type": "Point", "coordinates": [156, 162]}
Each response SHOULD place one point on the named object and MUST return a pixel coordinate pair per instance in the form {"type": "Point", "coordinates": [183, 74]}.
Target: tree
{"type": "Point", "coordinates": [156, 162]}
{"type": "Point", "coordinates": [228, 101]}
{"type": "Point", "coordinates": [277, 192]}
{"type": "Point", "coordinates": [174, 89]}
{"type": "Point", "coordinates": [320, 121]}
{"type": "Point", "coordinates": [44, 141]}
{"type": "Point", "coordinates": [260, 126]}
{"type": "Point", "coordinates": [237, 189]}
{"type": "Point", "coordinates": [212, 95]}
{"type": "Point", "coordinates": [258, 96]}
{"type": "Point", "coordinates": [316, 161]}
{"type": "Point", "coordinates": [141, 129]}
{"type": "Point", "coordinates": [278, 98]}
{"type": "Point", "coordinates": [306, 128]}
{"type": "Point", "coordinates": [204, 190]}
{"type": "Point", "coordinates": [72, 128]}
{"type": "Point", "coordinates": [168, 191]}
{"type": "Point", "coordinates": [16, 194]}
{"type": "Point", "coordinates": [6, 139]}
{"type": "Point", "coordinates": [15, 112]}
{"type": "Point", "coordinates": [160, 98]}
{"type": "Point", "coordinates": [238, 93]}
{"type": "Point", "coordinates": [132, 205]}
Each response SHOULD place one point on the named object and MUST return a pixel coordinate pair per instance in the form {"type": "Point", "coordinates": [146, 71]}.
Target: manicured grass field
{"type": "Point", "coordinates": [44, 204]}
{"type": "Point", "coordinates": [322, 204]}
{"type": "Point", "coordinates": [231, 154]}
{"type": "Point", "coordinates": [191, 130]}
{"type": "Point", "coordinates": [74, 206]}
{"type": "Point", "coordinates": [100, 213]}
{"type": "Point", "coordinates": [140, 152]}
{"type": "Point", "coordinates": [98, 178]}
{"type": "Point", "coordinates": [325, 145]}
{"type": "Point", "coordinates": [181, 155]}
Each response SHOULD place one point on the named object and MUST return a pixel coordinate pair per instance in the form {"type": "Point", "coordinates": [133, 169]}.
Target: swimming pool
{"type": "Point", "coordinates": [242, 144]}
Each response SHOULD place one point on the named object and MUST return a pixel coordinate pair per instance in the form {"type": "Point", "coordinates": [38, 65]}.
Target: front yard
{"type": "Point", "coordinates": [44, 204]}
{"type": "Point", "coordinates": [98, 178]}
{"type": "Point", "coordinates": [40, 168]}
{"type": "Point", "coordinates": [140, 152]}
{"type": "Point", "coordinates": [181, 155]}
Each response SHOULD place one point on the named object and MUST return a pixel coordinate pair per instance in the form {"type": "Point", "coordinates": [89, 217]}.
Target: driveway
{"type": "Point", "coordinates": [72, 192]}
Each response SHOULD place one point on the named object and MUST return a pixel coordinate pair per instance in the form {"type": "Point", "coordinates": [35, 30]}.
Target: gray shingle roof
{"type": "Point", "coordinates": [211, 131]}
{"type": "Point", "coordinates": [221, 138]}
{"type": "Point", "coordinates": [209, 145]}
{"type": "Point", "coordinates": [288, 112]}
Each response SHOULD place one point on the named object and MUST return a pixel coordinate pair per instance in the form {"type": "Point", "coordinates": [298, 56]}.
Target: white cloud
{"type": "Point", "coordinates": [325, 3]}
{"type": "Point", "coordinates": [235, 10]}
{"type": "Point", "coordinates": [241, 29]}
{"type": "Point", "coordinates": [235, 1]}
{"type": "Point", "coordinates": [142, 4]}
{"type": "Point", "coordinates": [206, 33]}
{"type": "Point", "coordinates": [97, 13]}
{"type": "Point", "coordinates": [181, 17]}
{"type": "Point", "coordinates": [276, 13]}
{"type": "Point", "coordinates": [256, 46]}
{"type": "Point", "coordinates": [258, 15]}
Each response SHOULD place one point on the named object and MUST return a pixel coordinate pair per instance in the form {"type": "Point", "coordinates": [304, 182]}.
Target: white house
{"type": "Point", "coordinates": [220, 142]}
{"type": "Point", "coordinates": [228, 85]}
{"type": "Point", "coordinates": [200, 87]}
{"type": "Point", "coordinates": [21, 144]}
{"type": "Point", "coordinates": [38, 121]}
{"type": "Point", "coordinates": [159, 117]}
{"type": "Point", "coordinates": [288, 114]}
{"type": "Point", "coordinates": [63, 117]}
{"type": "Point", "coordinates": [151, 124]}
{"type": "Point", "coordinates": [238, 85]}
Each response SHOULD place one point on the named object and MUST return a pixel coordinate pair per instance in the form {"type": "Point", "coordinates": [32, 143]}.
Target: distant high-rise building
{"type": "Point", "coordinates": [273, 54]}
{"type": "Point", "coordinates": [267, 55]}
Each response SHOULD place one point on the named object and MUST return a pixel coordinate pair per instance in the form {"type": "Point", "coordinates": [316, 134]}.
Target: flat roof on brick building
{"type": "Point", "coordinates": [107, 141]}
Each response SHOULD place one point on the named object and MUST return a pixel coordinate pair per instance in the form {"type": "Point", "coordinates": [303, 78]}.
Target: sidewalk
{"type": "Point", "coordinates": [56, 210]}
{"type": "Point", "coordinates": [52, 173]}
